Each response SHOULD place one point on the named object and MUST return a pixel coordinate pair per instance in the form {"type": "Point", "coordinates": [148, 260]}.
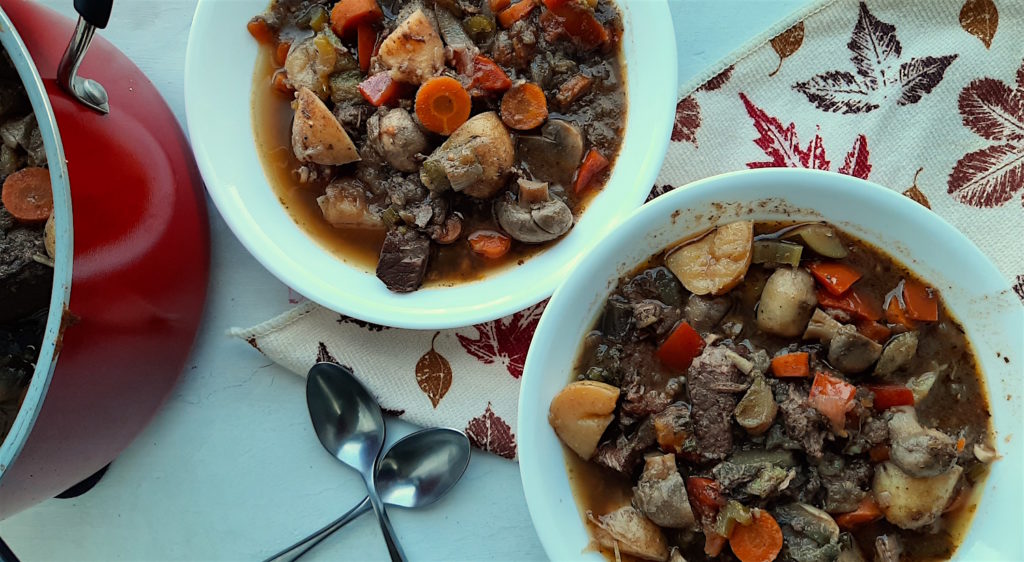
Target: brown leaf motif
{"type": "Point", "coordinates": [687, 120]}
{"type": "Point", "coordinates": [1018, 287]}
{"type": "Point", "coordinates": [991, 176]}
{"type": "Point", "coordinates": [782, 146]}
{"type": "Point", "coordinates": [490, 433]}
{"type": "Point", "coordinates": [980, 18]}
{"type": "Point", "coordinates": [658, 191]}
{"type": "Point", "coordinates": [787, 43]}
{"type": "Point", "coordinates": [505, 340]}
{"type": "Point", "coordinates": [434, 374]}
{"type": "Point", "coordinates": [882, 76]}
{"type": "Point", "coordinates": [342, 319]}
{"type": "Point", "coordinates": [718, 81]}
{"type": "Point", "coordinates": [323, 355]}
{"type": "Point", "coordinates": [915, 193]}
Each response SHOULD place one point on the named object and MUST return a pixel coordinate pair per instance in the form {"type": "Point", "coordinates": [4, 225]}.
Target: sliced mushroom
{"type": "Point", "coordinates": [554, 155]}
{"type": "Point", "coordinates": [396, 136]}
{"type": "Point", "coordinates": [534, 222]}
{"type": "Point", "coordinates": [309, 63]}
{"type": "Point", "coordinates": [787, 302]}
{"type": "Point", "coordinates": [317, 136]}
{"type": "Point", "coordinates": [852, 352]}
{"type": "Point", "coordinates": [899, 350]}
{"type": "Point", "coordinates": [888, 548]}
{"type": "Point", "coordinates": [919, 451]}
{"type": "Point", "coordinates": [756, 411]}
{"type": "Point", "coordinates": [474, 160]}
{"type": "Point", "coordinates": [821, 327]}
{"type": "Point", "coordinates": [413, 52]}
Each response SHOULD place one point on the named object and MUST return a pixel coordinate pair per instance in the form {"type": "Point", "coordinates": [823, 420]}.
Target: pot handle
{"type": "Point", "coordinates": [92, 14]}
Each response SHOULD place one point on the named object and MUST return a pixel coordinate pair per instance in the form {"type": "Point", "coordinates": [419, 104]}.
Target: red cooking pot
{"type": "Point", "coordinates": [132, 258]}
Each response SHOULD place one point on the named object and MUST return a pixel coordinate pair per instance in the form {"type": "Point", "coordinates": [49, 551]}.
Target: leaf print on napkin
{"type": "Point", "coordinates": [505, 340]}
{"type": "Point", "coordinates": [342, 319]}
{"type": "Point", "coordinates": [687, 120]}
{"type": "Point", "coordinates": [490, 433]}
{"type": "Point", "coordinates": [915, 193]}
{"type": "Point", "coordinates": [993, 175]}
{"type": "Point", "coordinates": [782, 145]}
{"type": "Point", "coordinates": [787, 43]}
{"type": "Point", "coordinates": [434, 374]}
{"type": "Point", "coordinates": [881, 76]}
{"type": "Point", "coordinates": [980, 18]}
{"type": "Point", "coordinates": [323, 355]}
{"type": "Point", "coordinates": [1018, 287]}
{"type": "Point", "coordinates": [658, 191]}
{"type": "Point", "coordinates": [718, 81]}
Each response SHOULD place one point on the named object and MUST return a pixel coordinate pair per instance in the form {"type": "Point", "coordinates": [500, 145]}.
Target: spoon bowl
{"type": "Point", "coordinates": [346, 418]}
{"type": "Point", "coordinates": [422, 467]}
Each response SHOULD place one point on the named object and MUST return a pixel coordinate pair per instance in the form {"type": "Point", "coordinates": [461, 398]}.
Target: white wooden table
{"type": "Point", "coordinates": [230, 469]}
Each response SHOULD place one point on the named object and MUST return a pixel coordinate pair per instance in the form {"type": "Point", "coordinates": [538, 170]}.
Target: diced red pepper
{"type": "Point", "coordinates": [499, 5]}
{"type": "Point", "coordinates": [380, 89]}
{"type": "Point", "coordinates": [578, 21]}
{"type": "Point", "coordinates": [515, 12]}
{"type": "Point", "coordinates": [488, 77]}
{"type": "Point", "coordinates": [894, 314]}
{"type": "Point", "coordinates": [861, 306]}
{"type": "Point", "coordinates": [681, 346]}
{"type": "Point", "coordinates": [833, 397]}
{"type": "Point", "coordinates": [705, 497]}
{"type": "Point", "coordinates": [260, 30]}
{"type": "Point", "coordinates": [889, 396]}
{"type": "Point", "coordinates": [835, 277]}
{"type": "Point", "coordinates": [593, 163]}
{"type": "Point", "coordinates": [874, 330]}
{"type": "Point", "coordinates": [281, 52]}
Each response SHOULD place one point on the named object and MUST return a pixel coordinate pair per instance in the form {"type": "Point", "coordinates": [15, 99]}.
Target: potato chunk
{"type": "Point", "coordinates": [716, 262]}
{"type": "Point", "coordinates": [317, 136]}
{"type": "Point", "coordinates": [634, 534]}
{"type": "Point", "coordinates": [581, 412]}
{"type": "Point", "coordinates": [413, 52]}
{"type": "Point", "coordinates": [912, 503]}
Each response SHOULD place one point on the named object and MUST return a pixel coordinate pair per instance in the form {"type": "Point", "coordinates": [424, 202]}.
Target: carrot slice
{"type": "Point", "coordinates": [524, 106]}
{"type": "Point", "coordinates": [281, 52]}
{"type": "Point", "coordinates": [348, 15]}
{"type": "Point", "coordinates": [28, 196]}
{"type": "Point", "coordinates": [260, 30]}
{"type": "Point", "coordinates": [761, 541]}
{"type": "Point", "coordinates": [894, 314]}
{"type": "Point", "coordinates": [515, 12]}
{"type": "Point", "coordinates": [280, 83]}
{"type": "Point", "coordinates": [792, 365]}
{"type": "Point", "coordinates": [835, 277]}
{"type": "Point", "coordinates": [891, 395]}
{"type": "Point", "coordinates": [380, 89]}
{"type": "Point", "coordinates": [593, 163]}
{"type": "Point", "coordinates": [922, 302]}
{"type": "Point", "coordinates": [833, 397]}
{"type": "Point", "coordinates": [860, 305]}
{"type": "Point", "coordinates": [874, 330]}
{"type": "Point", "coordinates": [713, 544]}
{"type": "Point", "coordinates": [366, 42]}
{"type": "Point", "coordinates": [499, 5]}
{"type": "Point", "coordinates": [489, 244]}
{"type": "Point", "coordinates": [442, 105]}
{"type": "Point", "coordinates": [681, 346]}
{"type": "Point", "coordinates": [866, 512]}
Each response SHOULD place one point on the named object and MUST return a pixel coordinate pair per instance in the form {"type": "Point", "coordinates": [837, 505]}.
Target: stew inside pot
{"type": "Point", "coordinates": [775, 391]}
{"type": "Point", "coordinates": [26, 252]}
{"type": "Point", "coordinates": [438, 139]}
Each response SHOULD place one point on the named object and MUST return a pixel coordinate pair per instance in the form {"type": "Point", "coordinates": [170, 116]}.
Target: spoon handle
{"type": "Point", "coordinates": [394, 549]}
{"type": "Point", "coordinates": [295, 551]}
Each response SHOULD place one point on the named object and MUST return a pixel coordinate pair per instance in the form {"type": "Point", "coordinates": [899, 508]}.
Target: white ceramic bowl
{"type": "Point", "coordinates": [218, 87]}
{"type": "Point", "coordinates": [971, 286]}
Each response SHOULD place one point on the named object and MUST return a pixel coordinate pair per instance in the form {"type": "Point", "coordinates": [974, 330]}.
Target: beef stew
{"type": "Point", "coordinates": [450, 137]}
{"type": "Point", "coordinates": [775, 391]}
{"type": "Point", "coordinates": [26, 242]}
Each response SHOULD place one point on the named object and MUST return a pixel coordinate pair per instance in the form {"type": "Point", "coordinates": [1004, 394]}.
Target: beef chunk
{"type": "Point", "coordinates": [617, 321]}
{"type": "Point", "coordinates": [761, 479]}
{"type": "Point", "coordinates": [712, 376]}
{"type": "Point", "coordinates": [625, 452]}
{"type": "Point", "coordinates": [705, 312]}
{"type": "Point", "coordinates": [661, 494]}
{"type": "Point", "coordinates": [403, 260]}
{"type": "Point", "coordinates": [657, 283]}
{"type": "Point", "coordinates": [802, 422]}
{"type": "Point", "coordinates": [873, 430]}
{"type": "Point", "coordinates": [845, 480]}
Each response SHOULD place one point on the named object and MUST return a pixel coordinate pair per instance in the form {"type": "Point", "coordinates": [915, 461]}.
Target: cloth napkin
{"type": "Point", "coordinates": [926, 98]}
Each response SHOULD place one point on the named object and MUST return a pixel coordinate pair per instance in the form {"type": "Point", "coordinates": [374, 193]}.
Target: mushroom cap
{"type": "Point", "coordinates": [536, 223]}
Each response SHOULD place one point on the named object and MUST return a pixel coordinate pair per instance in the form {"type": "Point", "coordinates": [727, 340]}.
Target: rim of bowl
{"type": "Point", "coordinates": [589, 285]}
{"type": "Point", "coordinates": [494, 296]}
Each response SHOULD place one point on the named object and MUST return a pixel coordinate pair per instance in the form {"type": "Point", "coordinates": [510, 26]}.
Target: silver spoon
{"type": "Point", "coordinates": [350, 426]}
{"type": "Point", "coordinates": [416, 471]}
